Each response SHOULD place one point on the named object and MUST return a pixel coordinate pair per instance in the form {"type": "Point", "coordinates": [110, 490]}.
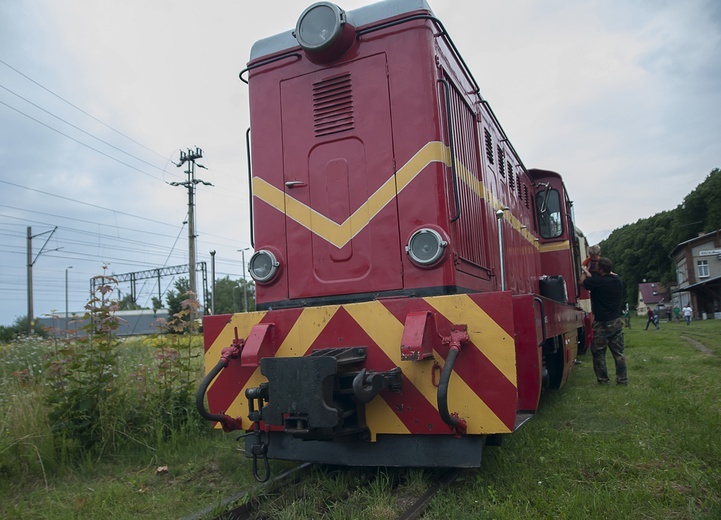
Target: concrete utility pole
{"type": "Point", "coordinates": [30, 264]}
{"type": "Point", "coordinates": [189, 157]}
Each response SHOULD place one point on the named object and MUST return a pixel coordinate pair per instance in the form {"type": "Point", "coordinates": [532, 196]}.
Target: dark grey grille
{"type": "Point", "coordinates": [333, 105]}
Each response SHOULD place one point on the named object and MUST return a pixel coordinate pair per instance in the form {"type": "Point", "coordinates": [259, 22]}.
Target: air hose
{"type": "Point", "coordinates": [228, 423]}
{"type": "Point", "coordinates": [451, 419]}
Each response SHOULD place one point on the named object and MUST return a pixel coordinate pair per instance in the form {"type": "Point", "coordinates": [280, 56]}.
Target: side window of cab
{"type": "Point", "coordinates": [548, 204]}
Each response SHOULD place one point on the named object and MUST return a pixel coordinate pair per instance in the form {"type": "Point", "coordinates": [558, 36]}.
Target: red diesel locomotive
{"type": "Point", "coordinates": [416, 285]}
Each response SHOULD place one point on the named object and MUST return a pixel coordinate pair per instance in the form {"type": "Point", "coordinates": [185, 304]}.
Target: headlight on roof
{"type": "Point", "coordinates": [426, 247]}
{"type": "Point", "coordinates": [323, 31]}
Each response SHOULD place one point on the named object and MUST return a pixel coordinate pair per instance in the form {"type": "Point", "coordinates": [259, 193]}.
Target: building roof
{"type": "Point", "coordinates": [695, 240]}
{"type": "Point", "coordinates": [653, 293]}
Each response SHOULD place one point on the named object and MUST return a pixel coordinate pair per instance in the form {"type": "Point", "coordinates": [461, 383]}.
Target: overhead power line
{"type": "Point", "coordinates": [80, 109]}
{"type": "Point", "coordinates": [84, 203]}
{"type": "Point", "coordinates": [80, 129]}
{"type": "Point", "coordinates": [80, 142]}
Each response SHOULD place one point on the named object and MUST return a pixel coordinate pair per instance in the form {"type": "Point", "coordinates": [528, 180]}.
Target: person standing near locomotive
{"type": "Point", "coordinates": [606, 290]}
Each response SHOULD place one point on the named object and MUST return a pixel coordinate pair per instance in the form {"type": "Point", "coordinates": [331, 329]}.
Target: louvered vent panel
{"type": "Point", "coordinates": [489, 146]}
{"type": "Point", "coordinates": [501, 164]}
{"type": "Point", "coordinates": [333, 105]}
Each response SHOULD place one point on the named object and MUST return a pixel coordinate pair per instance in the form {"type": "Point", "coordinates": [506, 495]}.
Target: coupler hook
{"type": "Point", "coordinates": [368, 385]}
{"type": "Point", "coordinates": [260, 448]}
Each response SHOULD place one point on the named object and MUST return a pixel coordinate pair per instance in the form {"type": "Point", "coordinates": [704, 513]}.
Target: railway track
{"type": "Point", "coordinates": [320, 489]}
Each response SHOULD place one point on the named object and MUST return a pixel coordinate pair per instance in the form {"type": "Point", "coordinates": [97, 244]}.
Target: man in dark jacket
{"type": "Point", "coordinates": [606, 290]}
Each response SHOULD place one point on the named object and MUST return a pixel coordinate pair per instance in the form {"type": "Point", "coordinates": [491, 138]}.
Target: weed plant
{"type": "Point", "coordinates": [70, 405]}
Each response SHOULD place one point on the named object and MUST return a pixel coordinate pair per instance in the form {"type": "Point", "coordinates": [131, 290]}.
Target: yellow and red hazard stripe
{"type": "Point", "coordinates": [482, 389]}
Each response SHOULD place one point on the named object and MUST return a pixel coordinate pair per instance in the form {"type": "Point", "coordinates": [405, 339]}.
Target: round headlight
{"type": "Point", "coordinates": [426, 246]}
{"type": "Point", "coordinates": [319, 26]}
{"type": "Point", "coordinates": [263, 266]}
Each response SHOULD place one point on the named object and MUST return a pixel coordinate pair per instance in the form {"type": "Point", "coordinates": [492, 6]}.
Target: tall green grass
{"type": "Point", "coordinates": [649, 450]}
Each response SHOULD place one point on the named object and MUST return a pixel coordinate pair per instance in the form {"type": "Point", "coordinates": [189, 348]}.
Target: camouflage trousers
{"type": "Point", "coordinates": [608, 334]}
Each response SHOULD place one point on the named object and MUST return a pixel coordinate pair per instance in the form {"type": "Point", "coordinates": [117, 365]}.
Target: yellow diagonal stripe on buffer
{"type": "Point", "coordinates": [386, 331]}
{"type": "Point", "coordinates": [302, 335]}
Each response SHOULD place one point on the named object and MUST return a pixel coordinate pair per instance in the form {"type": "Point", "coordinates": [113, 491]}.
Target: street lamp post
{"type": "Point", "coordinates": [235, 307]}
{"type": "Point", "coordinates": [67, 332]}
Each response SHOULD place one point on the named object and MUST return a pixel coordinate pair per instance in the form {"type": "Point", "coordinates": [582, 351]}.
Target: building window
{"type": "Point", "coordinates": [702, 268]}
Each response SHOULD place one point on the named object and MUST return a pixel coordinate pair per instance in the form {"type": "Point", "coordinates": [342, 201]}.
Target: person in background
{"type": "Point", "coordinates": [606, 291]}
{"type": "Point", "coordinates": [669, 313]}
{"type": "Point", "coordinates": [652, 318]}
{"type": "Point", "coordinates": [688, 313]}
{"type": "Point", "coordinates": [627, 317]}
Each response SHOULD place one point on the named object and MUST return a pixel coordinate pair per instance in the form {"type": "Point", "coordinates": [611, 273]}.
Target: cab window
{"type": "Point", "coordinates": [548, 204]}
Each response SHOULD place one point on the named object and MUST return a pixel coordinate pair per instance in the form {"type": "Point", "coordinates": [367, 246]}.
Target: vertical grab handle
{"type": "Point", "coordinates": [456, 198]}
{"type": "Point", "coordinates": [250, 186]}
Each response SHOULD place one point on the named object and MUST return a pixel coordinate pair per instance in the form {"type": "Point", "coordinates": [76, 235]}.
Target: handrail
{"type": "Point", "coordinates": [250, 187]}
{"type": "Point", "coordinates": [267, 62]}
{"type": "Point", "coordinates": [543, 317]}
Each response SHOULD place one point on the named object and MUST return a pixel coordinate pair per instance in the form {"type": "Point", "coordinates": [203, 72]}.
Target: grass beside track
{"type": "Point", "coordinates": [649, 450]}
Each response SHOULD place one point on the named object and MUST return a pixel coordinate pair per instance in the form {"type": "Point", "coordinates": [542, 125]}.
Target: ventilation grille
{"type": "Point", "coordinates": [489, 146]}
{"type": "Point", "coordinates": [501, 164]}
{"type": "Point", "coordinates": [332, 105]}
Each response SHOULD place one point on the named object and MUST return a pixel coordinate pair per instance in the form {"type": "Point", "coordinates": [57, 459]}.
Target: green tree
{"type": "Point", "coordinates": [230, 295]}
{"type": "Point", "coordinates": [157, 303]}
{"type": "Point", "coordinates": [700, 211]}
{"type": "Point", "coordinates": [640, 251]}
{"type": "Point", "coordinates": [20, 328]}
{"type": "Point", "coordinates": [174, 298]}
{"type": "Point", "coordinates": [128, 304]}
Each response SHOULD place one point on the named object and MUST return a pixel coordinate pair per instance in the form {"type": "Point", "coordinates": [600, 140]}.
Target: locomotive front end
{"type": "Point", "coordinates": [394, 327]}
{"type": "Point", "coordinates": [395, 382]}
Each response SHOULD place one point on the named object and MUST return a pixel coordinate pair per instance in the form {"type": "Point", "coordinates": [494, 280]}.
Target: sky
{"type": "Point", "coordinates": [97, 98]}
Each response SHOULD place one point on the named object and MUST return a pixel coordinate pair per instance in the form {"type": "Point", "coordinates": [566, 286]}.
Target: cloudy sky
{"type": "Point", "coordinates": [622, 97]}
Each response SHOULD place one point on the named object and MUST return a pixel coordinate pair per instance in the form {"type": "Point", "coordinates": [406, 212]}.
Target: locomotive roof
{"type": "Point", "coordinates": [357, 17]}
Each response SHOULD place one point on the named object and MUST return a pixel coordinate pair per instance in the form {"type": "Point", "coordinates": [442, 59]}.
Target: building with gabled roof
{"type": "Point", "coordinates": [652, 295]}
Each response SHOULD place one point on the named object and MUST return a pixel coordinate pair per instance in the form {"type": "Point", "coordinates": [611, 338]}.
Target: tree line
{"type": "Point", "coordinates": [641, 251]}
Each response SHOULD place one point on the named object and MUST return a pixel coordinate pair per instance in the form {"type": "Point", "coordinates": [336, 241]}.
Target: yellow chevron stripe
{"type": "Point", "coordinates": [495, 344]}
{"type": "Point", "coordinates": [340, 234]}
